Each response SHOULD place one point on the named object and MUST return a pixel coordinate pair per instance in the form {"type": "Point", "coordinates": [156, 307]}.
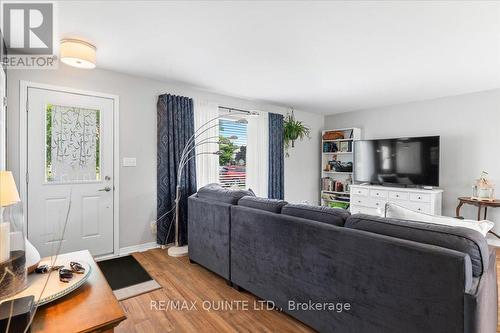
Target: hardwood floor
{"type": "Point", "coordinates": [193, 283]}
{"type": "Point", "coordinates": [152, 312]}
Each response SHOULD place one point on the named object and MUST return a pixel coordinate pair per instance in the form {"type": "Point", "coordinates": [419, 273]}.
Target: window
{"type": "Point", "coordinates": [232, 160]}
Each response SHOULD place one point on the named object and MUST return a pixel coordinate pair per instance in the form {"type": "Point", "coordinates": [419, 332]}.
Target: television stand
{"type": "Point", "coordinates": [371, 199]}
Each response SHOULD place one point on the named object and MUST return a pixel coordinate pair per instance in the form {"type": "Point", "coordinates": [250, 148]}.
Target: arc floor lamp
{"type": "Point", "coordinates": [187, 155]}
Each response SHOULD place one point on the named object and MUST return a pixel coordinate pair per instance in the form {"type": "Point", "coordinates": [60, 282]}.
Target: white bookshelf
{"type": "Point", "coordinates": [330, 195]}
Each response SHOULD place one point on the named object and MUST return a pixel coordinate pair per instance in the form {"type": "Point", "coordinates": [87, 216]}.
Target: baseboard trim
{"type": "Point", "coordinates": [138, 248]}
{"type": "Point", "coordinates": [128, 250]}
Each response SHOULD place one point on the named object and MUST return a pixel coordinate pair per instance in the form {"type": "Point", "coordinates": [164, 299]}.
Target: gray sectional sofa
{"type": "Point", "coordinates": [342, 273]}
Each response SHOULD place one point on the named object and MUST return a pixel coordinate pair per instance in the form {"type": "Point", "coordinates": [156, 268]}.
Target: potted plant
{"type": "Point", "coordinates": [294, 130]}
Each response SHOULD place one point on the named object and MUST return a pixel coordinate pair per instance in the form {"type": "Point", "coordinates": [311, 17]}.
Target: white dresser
{"type": "Point", "coordinates": [368, 199]}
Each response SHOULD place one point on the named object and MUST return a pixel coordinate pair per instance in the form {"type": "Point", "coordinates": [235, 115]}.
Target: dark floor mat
{"type": "Point", "coordinates": [123, 272]}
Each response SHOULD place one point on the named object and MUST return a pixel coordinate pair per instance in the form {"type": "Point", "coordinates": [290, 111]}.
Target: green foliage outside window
{"type": "Point", "coordinates": [227, 149]}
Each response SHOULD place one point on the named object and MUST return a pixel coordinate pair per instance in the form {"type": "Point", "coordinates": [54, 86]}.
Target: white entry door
{"type": "Point", "coordinates": [70, 163]}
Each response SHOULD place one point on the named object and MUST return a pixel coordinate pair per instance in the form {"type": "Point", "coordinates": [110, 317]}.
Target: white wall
{"type": "Point", "coordinates": [469, 126]}
{"type": "Point", "coordinates": [138, 97]}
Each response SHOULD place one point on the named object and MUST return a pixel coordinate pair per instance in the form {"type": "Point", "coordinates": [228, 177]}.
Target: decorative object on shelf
{"type": "Point", "coordinates": [344, 146]}
{"type": "Point", "coordinates": [333, 135]}
{"type": "Point", "coordinates": [327, 184]}
{"type": "Point", "coordinates": [330, 147]}
{"type": "Point", "coordinates": [294, 130]}
{"type": "Point", "coordinates": [339, 187]}
{"type": "Point", "coordinates": [341, 166]}
{"type": "Point", "coordinates": [483, 188]}
{"type": "Point", "coordinates": [12, 245]}
{"type": "Point", "coordinates": [341, 205]}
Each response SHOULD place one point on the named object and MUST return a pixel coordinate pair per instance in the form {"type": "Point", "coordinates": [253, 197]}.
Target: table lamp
{"type": "Point", "coordinates": [12, 241]}
{"type": "Point", "coordinates": [8, 196]}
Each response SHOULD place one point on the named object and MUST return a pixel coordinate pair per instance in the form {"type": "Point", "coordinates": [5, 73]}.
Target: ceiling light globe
{"type": "Point", "coordinates": [78, 53]}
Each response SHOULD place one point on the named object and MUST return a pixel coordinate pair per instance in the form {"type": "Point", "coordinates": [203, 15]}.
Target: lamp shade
{"type": "Point", "coordinates": [8, 189]}
{"type": "Point", "coordinates": [78, 53]}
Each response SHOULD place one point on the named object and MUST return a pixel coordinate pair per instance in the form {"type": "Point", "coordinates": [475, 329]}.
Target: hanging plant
{"type": "Point", "coordinates": [294, 130]}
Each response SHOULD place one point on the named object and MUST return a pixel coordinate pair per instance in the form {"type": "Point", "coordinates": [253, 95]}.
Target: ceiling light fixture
{"type": "Point", "coordinates": [78, 53]}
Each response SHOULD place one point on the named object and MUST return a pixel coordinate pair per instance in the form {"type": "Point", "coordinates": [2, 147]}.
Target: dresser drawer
{"type": "Point", "coordinates": [360, 201]}
{"type": "Point", "coordinates": [419, 207]}
{"type": "Point", "coordinates": [360, 191]}
{"type": "Point", "coordinates": [378, 204]}
{"type": "Point", "coordinates": [398, 195]}
{"type": "Point", "coordinates": [420, 197]}
{"type": "Point", "coordinates": [378, 194]}
{"type": "Point", "coordinates": [365, 210]}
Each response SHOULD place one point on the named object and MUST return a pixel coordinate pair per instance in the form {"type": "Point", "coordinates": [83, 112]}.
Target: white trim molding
{"type": "Point", "coordinates": [23, 151]}
{"type": "Point", "coordinates": [128, 250]}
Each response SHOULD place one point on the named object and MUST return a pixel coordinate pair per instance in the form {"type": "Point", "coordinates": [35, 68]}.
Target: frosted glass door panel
{"type": "Point", "coordinates": [72, 144]}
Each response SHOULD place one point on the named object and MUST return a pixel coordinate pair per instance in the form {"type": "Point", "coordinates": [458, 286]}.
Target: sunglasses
{"type": "Point", "coordinates": [76, 267]}
{"type": "Point", "coordinates": [65, 274]}
{"type": "Point", "coordinates": [44, 269]}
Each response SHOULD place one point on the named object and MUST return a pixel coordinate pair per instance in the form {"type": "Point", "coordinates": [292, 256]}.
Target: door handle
{"type": "Point", "coordinates": [106, 189]}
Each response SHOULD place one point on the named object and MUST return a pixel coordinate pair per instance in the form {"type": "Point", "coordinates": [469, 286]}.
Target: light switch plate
{"type": "Point", "coordinates": [129, 162]}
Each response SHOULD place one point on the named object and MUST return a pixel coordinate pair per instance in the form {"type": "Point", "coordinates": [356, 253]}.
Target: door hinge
{"type": "Point", "coordinates": [27, 178]}
{"type": "Point", "coordinates": [4, 101]}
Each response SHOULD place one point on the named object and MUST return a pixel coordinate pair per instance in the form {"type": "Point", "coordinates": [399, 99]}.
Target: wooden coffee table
{"type": "Point", "coordinates": [479, 204]}
{"type": "Point", "coordinates": [91, 308]}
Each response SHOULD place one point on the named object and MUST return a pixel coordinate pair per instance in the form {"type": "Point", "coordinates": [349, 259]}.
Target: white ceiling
{"type": "Point", "coordinates": [322, 56]}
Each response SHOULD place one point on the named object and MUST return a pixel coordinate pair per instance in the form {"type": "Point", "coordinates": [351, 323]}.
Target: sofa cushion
{"type": "Point", "coordinates": [215, 192]}
{"type": "Point", "coordinates": [270, 205]}
{"type": "Point", "coordinates": [459, 239]}
{"type": "Point", "coordinates": [334, 216]}
{"type": "Point", "coordinates": [399, 212]}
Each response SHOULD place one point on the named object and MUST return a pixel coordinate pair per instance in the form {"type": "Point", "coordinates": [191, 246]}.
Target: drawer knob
{"type": "Point", "coordinates": [376, 204]}
{"type": "Point", "coordinates": [419, 209]}
{"type": "Point", "coordinates": [419, 198]}
{"type": "Point", "coordinates": [397, 195]}
{"type": "Point", "coordinates": [359, 201]}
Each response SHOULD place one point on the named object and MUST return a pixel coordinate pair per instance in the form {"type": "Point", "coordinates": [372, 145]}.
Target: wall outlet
{"type": "Point", "coordinates": [152, 225]}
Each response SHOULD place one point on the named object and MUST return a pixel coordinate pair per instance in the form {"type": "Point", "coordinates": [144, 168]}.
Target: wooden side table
{"type": "Point", "coordinates": [91, 308]}
{"type": "Point", "coordinates": [479, 204]}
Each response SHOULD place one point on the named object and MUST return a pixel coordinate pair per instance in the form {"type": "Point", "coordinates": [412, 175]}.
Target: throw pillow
{"type": "Point", "coordinates": [399, 212]}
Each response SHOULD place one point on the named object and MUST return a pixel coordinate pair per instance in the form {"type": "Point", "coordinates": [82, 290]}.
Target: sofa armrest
{"type": "Point", "coordinates": [481, 303]}
{"type": "Point", "coordinates": [209, 224]}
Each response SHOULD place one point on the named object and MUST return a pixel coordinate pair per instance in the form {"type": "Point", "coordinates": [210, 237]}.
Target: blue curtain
{"type": "Point", "coordinates": [175, 126]}
{"type": "Point", "coordinates": [276, 180]}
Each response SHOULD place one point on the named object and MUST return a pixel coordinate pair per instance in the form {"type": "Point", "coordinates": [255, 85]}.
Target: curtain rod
{"type": "Point", "coordinates": [234, 109]}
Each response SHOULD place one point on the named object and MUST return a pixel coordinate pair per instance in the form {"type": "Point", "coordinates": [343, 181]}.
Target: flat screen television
{"type": "Point", "coordinates": [410, 162]}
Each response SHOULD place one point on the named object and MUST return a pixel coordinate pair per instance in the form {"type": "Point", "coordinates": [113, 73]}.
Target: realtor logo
{"type": "Point", "coordinates": [28, 28]}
